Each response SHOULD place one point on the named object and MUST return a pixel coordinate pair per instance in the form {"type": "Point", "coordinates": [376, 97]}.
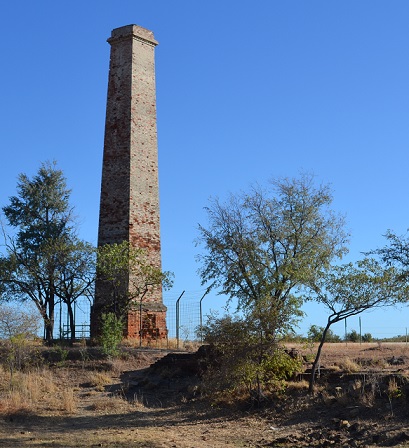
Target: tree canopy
{"type": "Point", "coordinates": [261, 247]}
{"type": "Point", "coordinates": [395, 253]}
{"type": "Point", "coordinates": [128, 275]}
{"type": "Point", "coordinates": [39, 261]}
{"type": "Point", "coordinates": [352, 288]}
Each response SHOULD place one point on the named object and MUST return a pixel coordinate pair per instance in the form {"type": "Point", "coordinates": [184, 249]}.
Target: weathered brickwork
{"type": "Point", "coordinates": [153, 324]}
{"type": "Point", "coordinates": [129, 207]}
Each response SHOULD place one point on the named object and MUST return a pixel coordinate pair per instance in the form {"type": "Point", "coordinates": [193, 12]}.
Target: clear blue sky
{"type": "Point", "coordinates": [246, 91]}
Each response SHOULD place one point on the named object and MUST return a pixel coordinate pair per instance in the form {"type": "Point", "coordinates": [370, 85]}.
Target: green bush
{"type": "Point", "coordinates": [352, 336]}
{"type": "Point", "coordinates": [112, 328]}
{"type": "Point", "coordinates": [315, 334]}
{"type": "Point", "coordinates": [367, 337]}
{"type": "Point", "coordinates": [244, 359]}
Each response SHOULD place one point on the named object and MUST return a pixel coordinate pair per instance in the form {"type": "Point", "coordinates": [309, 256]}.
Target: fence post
{"type": "Point", "coordinates": [360, 331]}
{"type": "Point", "coordinates": [201, 315]}
{"type": "Point", "coordinates": [346, 332]}
{"type": "Point", "coordinates": [177, 319]}
{"type": "Point", "coordinates": [61, 331]}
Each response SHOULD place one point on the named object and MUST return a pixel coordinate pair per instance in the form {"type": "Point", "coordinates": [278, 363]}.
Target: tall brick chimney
{"type": "Point", "coordinates": [129, 207]}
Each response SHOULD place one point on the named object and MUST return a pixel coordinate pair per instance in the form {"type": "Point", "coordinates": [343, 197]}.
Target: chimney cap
{"type": "Point", "coordinates": [132, 31]}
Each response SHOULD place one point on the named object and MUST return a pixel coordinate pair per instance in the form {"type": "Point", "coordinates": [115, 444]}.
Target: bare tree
{"type": "Point", "coordinates": [15, 321]}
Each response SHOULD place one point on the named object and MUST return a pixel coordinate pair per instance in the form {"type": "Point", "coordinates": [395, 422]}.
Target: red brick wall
{"type": "Point", "coordinates": [129, 207]}
{"type": "Point", "coordinates": [153, 325]}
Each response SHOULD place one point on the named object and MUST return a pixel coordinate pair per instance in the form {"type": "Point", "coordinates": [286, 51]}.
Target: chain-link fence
{"type": "Point", "coordinates": [184, 316]}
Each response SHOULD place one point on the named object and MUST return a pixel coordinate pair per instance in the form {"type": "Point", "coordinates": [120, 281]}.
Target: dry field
{"type": "Point", "coordinates": [355, 357]}
{"type": "Point", "coordinates": [361, 401]}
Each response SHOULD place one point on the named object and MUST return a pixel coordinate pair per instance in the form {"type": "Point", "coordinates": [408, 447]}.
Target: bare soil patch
{"type": "Point", "coordinates": [89, 402]}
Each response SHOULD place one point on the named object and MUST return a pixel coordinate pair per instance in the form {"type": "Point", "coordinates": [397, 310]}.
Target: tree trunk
{"type": "Point", "coordinates": [47, 326]}
{"type": "Point", "coordinates": [72, 322]}
{"type": "Point", "coordinates": [317, 359]}
{"type": "Point", "coordinates": [49, 323]}
{"type": "Point", "coordinates": [48, 330]}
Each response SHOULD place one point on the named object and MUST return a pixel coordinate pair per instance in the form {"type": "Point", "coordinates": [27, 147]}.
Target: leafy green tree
{"type": "Point", "coordinates": [315, 334]}
{"type": "Point", "coordinates": [350, 289]}
{"type": "Point", "coordinates": [127, 274]}
{"type": "Point", "coordinates": [367, 337]}
{"type": "Point", "coordinates": [264, 246]}
{"type": "Point", "coordinates": [352, 336]}
{"type": "Point", "coordinates": [44, 227]}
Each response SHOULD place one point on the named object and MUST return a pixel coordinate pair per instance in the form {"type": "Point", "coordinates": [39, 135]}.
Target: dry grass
{"type": "Point", "coordinates": [118, 366]}
{"type": "Point", "coordinates": [167, 344]}
{"type": "Point", "coordinates": [13, 402]}
{"type": "Point", "coordinates": [69, 403]}
{"type": "Point", "coordinates": [371, 355]}
{"type": "Point", "coordinates": [41, 391]}
{"type": "Point", "coordinates": [22, 391]}
{"type": "Point", "coordinates": [348, 365]}
{"type": "Point", "coordinates": [297, 385]}
{"type": "Point", "coordinates": [109, 405]}
{"type": "Point", "coordinates": [136, 343]}
{"type": "Point", "coordinates": [99, 380]}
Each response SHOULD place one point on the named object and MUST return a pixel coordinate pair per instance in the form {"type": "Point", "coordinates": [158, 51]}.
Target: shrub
{"type": "Point", "coordinates": [349, 366]}
{"type": "Point", "coordinates": [367, 337]}
{"type": "Point", "coordinates": [19, 353]}
{"type": "Point", "coordinates": [315, 334]}
{"type": "Point", "coordinates": [111, 334]}
{"type": "Point", "coordinates": [18, 328]}
{"type": "Point", "coordinates": [244, 359]}
{"type": "Point", "coordinates": [353, 336]}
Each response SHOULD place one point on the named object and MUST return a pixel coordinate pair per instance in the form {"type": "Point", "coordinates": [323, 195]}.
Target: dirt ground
{"type": "Point", "coordinates": [130, 404]}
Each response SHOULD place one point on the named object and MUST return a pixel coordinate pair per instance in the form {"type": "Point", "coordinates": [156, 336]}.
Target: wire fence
{"type": "Point", "coordinates": [82, 318]}
{"type": "Point", "coordinates": [184, 316]}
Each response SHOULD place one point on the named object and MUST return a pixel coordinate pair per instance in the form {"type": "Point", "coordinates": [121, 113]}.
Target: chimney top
{"type": "Point", "coordinates": [132, 31]}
